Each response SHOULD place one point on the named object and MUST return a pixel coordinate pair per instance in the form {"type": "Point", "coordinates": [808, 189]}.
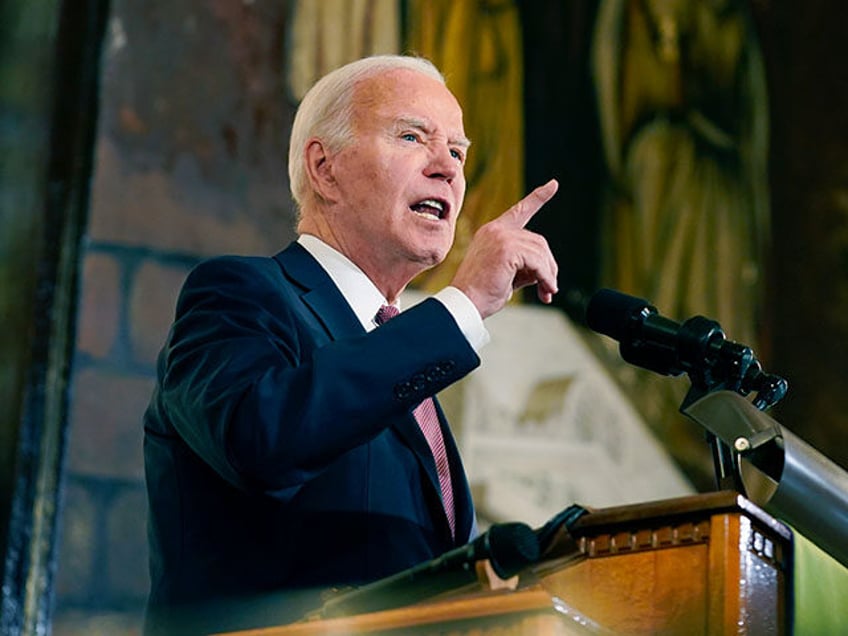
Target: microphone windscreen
{"type": "Point", "coordinates": [610, 312]}
{"type": "Point", "coordinates": [512, 547]}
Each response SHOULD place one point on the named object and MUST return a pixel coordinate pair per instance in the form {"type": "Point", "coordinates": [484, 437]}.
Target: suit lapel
{"type": "Point", "coordinates": [320, 293]}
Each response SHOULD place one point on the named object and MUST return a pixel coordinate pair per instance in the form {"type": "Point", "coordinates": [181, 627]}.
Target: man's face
{"type": "Point", "coordinates": [400, 184]}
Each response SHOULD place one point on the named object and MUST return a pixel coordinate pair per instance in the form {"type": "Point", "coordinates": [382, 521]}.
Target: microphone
{"type": "Point", "coordinates": [697, 346]}
{"type": "Point", "coordinates": [647, 339]}
{"type": "Point", "coordinates": [510, 547]}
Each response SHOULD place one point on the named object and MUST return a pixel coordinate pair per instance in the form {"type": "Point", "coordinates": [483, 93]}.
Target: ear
{"type": "Point", "coordinates": [319, 169]}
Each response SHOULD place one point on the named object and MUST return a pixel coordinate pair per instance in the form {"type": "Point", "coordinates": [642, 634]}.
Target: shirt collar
{"type": "Point", "coordinates": [361, 294]}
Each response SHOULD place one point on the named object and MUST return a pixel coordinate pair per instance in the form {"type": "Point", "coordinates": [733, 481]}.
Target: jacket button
{"type": "Point", "coordinates": [403, 390]}
{"type": "Point", "coordinates": [419, 382]}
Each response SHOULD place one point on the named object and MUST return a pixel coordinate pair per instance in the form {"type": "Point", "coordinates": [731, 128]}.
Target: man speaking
{"type": "Point", "coordinates": [293, 441]}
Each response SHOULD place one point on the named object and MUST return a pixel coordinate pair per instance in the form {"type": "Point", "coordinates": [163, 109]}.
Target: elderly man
{"type": "Point", "coordinates": [292, 440]}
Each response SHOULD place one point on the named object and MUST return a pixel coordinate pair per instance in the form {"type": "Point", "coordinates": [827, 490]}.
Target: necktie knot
{"type": "Point", "coordinates": [385, 314]}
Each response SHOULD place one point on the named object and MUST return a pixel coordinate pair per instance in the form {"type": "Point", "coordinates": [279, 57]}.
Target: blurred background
{"type": "Point", "coordinates": [701, 149]}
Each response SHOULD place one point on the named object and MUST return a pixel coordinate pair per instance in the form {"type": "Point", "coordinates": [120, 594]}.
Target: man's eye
{"type": "Point", "coordinates": [409, 137]}
{"type": "Point", "coordinates": [456, 154]}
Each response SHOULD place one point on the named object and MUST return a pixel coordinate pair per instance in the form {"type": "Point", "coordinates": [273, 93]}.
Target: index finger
{"type": "Point", "coordinates": [520, 214]}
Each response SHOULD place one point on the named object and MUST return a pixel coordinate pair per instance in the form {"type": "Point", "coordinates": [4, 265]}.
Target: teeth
{"type": "Point", "coordinates": [433, 204]}
{"type": "Point", "coordinates": [423, 208]}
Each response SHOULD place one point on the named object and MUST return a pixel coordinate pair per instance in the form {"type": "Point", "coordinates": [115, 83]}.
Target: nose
{"type": "Point", "coordinates": [442, 164]}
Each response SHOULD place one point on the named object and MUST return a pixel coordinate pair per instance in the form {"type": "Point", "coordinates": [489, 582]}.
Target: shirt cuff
{"type": "Point", "coordinates": [466, 316]}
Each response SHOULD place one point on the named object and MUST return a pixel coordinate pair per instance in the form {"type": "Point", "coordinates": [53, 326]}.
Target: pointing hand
{"type": "Point", "coordinates": [504, 256]}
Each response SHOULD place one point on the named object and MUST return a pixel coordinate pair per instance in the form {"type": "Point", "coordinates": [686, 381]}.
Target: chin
{"type": "Point", "coordinates": [434, 258]}
{"type": "Point", "coordinates": [427, 255]}
{"type": "Point", "coordinates": [427, 251]}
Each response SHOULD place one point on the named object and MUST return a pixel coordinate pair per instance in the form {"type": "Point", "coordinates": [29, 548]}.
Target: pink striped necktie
{"type": "Point", "coordinates": [428, 420]}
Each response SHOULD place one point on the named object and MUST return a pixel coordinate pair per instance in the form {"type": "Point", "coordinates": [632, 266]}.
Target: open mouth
{"type": "Point", "coordinates": [435, 209]}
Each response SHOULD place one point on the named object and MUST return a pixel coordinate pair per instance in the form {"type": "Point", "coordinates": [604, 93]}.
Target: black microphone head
{"type": "Point", "coordinates": [511, 548]}
{"type": "Point", "coordinates": [611, 312]}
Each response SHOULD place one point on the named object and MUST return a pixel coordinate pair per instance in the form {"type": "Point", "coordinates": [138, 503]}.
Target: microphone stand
{"type": "Point", "coordinates": [796, 482]}
{"type": "Point", "coordinates": [697, 347]}
{"type": "Point", "coordinates": [713, 364]}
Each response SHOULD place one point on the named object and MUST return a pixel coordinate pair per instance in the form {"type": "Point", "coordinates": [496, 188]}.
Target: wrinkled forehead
{"type": "Point", "coordinates": [404, 94]}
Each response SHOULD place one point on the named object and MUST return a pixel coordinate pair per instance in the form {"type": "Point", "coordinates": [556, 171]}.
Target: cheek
{"type": "Point", "coordinates": [460, 196]}
{"type": "Point", "coordinates": [363, 168]}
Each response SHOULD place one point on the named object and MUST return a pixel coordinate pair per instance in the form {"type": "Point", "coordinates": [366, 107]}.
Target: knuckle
{"type": "Point", "coordinates": [493, 231]}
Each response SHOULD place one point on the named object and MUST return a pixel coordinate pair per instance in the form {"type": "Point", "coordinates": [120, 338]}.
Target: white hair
{"type": "Point", "coordinates": [326, 110]}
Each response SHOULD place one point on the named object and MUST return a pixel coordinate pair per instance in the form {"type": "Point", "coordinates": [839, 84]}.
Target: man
{"type": "Point", "coordinates": [285, 444]}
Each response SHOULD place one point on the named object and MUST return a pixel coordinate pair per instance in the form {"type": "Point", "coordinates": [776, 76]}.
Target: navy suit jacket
{"type": "Point", "coordinates": [280, 450]}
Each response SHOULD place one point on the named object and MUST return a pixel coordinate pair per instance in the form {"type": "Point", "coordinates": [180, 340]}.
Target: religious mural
{"type": "Point", "coordinates": [684, 119]}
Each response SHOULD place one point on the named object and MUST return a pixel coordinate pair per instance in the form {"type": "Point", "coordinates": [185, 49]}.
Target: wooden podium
{"type": "Point", "coordinates": [705, 564]}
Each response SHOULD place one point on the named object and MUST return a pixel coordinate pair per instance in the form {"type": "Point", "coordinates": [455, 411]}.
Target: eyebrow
{"type": "Point", "coordinates": [418, 124]}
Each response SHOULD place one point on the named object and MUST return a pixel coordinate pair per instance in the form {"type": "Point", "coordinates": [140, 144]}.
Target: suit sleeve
{"type": "Point", "coordinates": [255, 386]}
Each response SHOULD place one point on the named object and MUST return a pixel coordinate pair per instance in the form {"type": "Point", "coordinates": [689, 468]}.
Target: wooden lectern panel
{"type": "Point", "coordinates": [711, 564]}
{"type": "Point", "coordinates": [707, 564]}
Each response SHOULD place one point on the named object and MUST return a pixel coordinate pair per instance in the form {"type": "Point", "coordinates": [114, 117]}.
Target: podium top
{"type": "Point", "coordinates": [696, 506]}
